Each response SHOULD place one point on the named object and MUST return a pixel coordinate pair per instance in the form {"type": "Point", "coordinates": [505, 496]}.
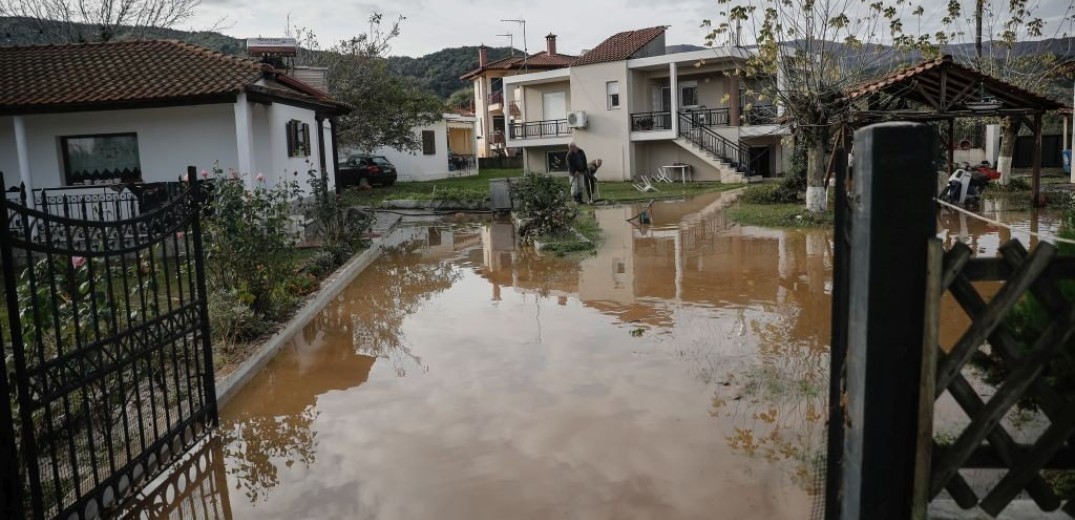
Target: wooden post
{"type": "Point", "coordinates": [838, 343]}
{"type": "Point", "coordinates": [894, 220]}
{"type": "Point", "coordinates": [1035, 180]}
{"type": "Point", "coordinates": [951, 146]}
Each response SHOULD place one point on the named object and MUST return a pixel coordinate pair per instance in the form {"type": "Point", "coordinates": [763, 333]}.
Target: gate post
{"type": "Point", "coordinates": [894, 218]}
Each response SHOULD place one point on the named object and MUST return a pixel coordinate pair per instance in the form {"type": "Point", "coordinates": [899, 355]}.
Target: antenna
{"type": "Point", "coordinates": [511, 42]}
{"type": "Point", "coordinates": [526, 52]}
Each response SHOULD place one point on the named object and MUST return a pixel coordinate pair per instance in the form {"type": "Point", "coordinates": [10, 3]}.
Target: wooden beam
{"type": "Point", "coordinates": [1035, 180]}
{"type": "Point", "coordinates": [960, 97]}
{"type": "Point", "coordinates": [951, 146]}
{"type": "Point", "coordinates": [930, 99]}
{"type": "Point", "coordinates": [944, 90]}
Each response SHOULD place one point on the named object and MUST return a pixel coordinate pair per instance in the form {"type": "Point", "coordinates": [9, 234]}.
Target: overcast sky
{"type": "Point", "coordinates": [432, 25]}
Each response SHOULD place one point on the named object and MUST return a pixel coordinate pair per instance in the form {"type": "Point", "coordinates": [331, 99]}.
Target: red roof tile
{"type": "Point", "coordinates": [542, 60]}
{"type": "Point", "coordinates": [621, 46]}
{"type": "Point", "coordinates": [43, 77]}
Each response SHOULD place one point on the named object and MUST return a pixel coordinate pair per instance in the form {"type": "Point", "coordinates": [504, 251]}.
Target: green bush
{"type": "Point", "coordinates": [769, 194]}
{"type": "Point", "coordinates": [544, 204]}
{"type": "Point", "coordinates": [231, 319]}
{"type": "Point", "coordinates": [339, 226]}
{"type": "Point", "coordinates": [321, 263]}
{"type": "Point", "coordinates": [1014, 184]}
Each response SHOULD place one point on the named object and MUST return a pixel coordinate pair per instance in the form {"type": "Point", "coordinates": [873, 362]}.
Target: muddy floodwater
{"type": "Point", "coordinates": [679, 372]}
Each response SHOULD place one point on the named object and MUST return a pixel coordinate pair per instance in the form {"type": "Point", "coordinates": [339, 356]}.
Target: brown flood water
{"type": "Point", "coordinates": [680, 372]}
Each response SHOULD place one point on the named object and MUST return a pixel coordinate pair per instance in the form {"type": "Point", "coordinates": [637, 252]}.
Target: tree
{"type": "Point", "coordinates": [387, 108]}
{"type": "Point", "coordinates": [809, 52]}
{"type": "Point", "coordinates": [72, 21]}
{"type": "Point", "coordinates": [462, 98]}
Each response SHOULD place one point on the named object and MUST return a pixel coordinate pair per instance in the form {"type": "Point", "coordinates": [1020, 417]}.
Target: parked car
{"type": "Point", "coordinates": [374, 168]}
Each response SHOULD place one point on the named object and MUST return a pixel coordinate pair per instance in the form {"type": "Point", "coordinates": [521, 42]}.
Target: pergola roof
{"type": "Point", "coordinates": [945, 87]}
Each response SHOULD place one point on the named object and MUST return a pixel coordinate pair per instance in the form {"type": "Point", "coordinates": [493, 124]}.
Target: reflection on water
{"type": "Point", "coordinates": [679, 371]}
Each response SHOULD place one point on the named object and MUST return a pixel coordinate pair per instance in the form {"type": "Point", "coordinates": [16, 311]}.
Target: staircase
{"type": "Point", "coordinates": [729, 158]}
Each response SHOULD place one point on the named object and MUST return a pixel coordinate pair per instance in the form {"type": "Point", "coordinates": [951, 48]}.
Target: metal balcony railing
{"type": "Point", "coordinates": [645, 121]}
{"type": "Point", "coordinates": [760, 115]}
{"type": "Point", "coordinates": [540, 129]}
{"type": "Point", "coordinates": [496, 98]}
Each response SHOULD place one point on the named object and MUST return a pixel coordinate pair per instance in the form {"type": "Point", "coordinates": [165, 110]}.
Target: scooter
{"type": "Point", "coordinates": [965, 186]}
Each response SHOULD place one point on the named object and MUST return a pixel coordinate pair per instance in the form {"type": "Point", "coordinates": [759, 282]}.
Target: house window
{"type": "Point", "coordinates": [298, 139]}
{"type": "Point", "coordinates": [556, 161]}
{"type": "Point", "coordinates": [688, 94]}
{"type": "Point", "coordinates": [613, 90]}
{"type": "Point", "coordinates": [101, 159]}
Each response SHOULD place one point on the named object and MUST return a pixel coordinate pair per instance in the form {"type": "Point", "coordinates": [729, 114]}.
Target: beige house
{"type": "Point", "coordinates": [490, 109]}
{"type": "Point", "coordinates": [639, 109]}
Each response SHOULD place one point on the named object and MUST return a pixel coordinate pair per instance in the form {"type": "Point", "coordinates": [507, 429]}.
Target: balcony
{"type": "Point", "coordinates": [552, 128]}
{"type": "Point", "coordinates": [760, 115]}
{"type": "Point", "coordinates": [709, 117]}
{"type": "Point", "coordinates": [496, 101]}
{"type": "Point", "coordinates": [648, 121]}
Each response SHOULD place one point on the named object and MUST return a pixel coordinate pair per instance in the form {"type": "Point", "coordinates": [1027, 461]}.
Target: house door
{"type": "Point", "coordinates": [554, 106]}
{"type": "Point", "coordinates": [662, 99]}
{"type": "Point", "coordinates": [760, 157]}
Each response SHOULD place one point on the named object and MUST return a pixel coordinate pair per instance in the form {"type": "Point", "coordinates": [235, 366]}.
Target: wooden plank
{"type": "Point", "coordinates": [954, 262]}
{"type": "Point", "coordinates": [986, 457]}
{"type": "Point", "coordinates": [1036, 198]}
{"type": "Point", "coordinates": [960, 491]}
{"type": "Point", "coordinates": [930, 341]}
{"type": "Point", "coordinates": [1030, 464]}
{"type": "Point", "coordinates": [994, 313]}
{"type": "Point", "coordinates": [1005, 446]}
{"type": "Point", "coordinates": [1058, 333]}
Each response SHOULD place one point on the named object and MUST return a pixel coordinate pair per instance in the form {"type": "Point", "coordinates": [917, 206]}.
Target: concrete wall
{"type": "Point", "coordinates": [533, 108]}
{"type": "Point", "coordinates": [169, 140]}
{"type": "Point", "coordinates": [653, 154]}
{"type": "Point", "coordinates": [534, 158]}
{"type": "Point", "coordinates": [608, 134]}
{"type": "Point", "coordinates": [416, 166]}
{"type": "Point", "coordinates": [653, 48]}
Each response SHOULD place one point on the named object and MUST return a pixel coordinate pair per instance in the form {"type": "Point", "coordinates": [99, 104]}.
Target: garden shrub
{"type": "Point", "coordinates": [340, 227]}
{"type": "Point", "coordinates": [543, 202]}
{"type": "Point", "coordinates": [231, 319]}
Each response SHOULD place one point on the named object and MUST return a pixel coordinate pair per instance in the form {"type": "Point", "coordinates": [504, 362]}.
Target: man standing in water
{"type": "Point", "coordinates": [577, 167]}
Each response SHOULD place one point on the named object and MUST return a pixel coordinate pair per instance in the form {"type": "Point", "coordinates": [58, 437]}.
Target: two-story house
{"type": "Point", "coordinates": [490, 110]}
{"type": "Point", "coordinates": [639, 109]}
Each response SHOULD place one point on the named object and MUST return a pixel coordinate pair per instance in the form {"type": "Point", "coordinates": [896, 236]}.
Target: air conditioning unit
{"type": "Point", "coordinates": [577, 119]}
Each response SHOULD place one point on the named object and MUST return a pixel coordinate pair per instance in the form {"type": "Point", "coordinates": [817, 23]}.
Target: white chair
{"type": "Point", "coordinates": [662, 176]}
{"type": "Point", "coordinates": [645, 185]}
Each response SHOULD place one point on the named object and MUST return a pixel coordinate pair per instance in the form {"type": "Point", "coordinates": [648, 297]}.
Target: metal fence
{"type": "Point", "coordinates": [106, 351]}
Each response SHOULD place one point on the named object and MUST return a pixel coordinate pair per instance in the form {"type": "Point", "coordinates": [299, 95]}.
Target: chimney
{"type": "Point", "coordinates": [550, 44]}
{"type": "Point", "coordinates": [483, 56]}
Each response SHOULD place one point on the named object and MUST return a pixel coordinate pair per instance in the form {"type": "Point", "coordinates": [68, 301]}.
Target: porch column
{"type": "Point", "coordinates": [1035, 181]}
{"type": "Point", "coordinates": [23, 153]}
{"type": "Point", "coordinates": [734, 111]}
{"type": "Point", "coordinates": [244, 130]}
{"type": "Point", "coordinates": [673, 91]}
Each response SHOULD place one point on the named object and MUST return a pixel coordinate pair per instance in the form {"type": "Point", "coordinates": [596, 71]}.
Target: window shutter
{"type": "Point", "coordinates": [306, 139]}
{"type": "Point", "coordinates": [429, 142]}
{"type": "Point", "coordinates": [291, 138]}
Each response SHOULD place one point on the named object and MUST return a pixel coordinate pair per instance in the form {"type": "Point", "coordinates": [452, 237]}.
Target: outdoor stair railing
{"type": "Point", "coordinates": [735, 154]}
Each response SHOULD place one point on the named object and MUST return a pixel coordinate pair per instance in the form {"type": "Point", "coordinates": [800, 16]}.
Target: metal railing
{"type": "Point", "coordinates": [710, 117]}
{"type": "Point", "coordinates": [645, 121]}
{"type": "Point", "coordinates": [735, 154]}
{"type": "Point", "coordinates": [496, 97]}
{"type": "Point", "coordinates": [540, 129]}
{"type": "Point", "coordinates": [761, 115]}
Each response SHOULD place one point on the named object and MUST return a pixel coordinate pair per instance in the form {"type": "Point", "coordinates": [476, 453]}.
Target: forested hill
{"type": "Point", "coordinates": [439, 71]}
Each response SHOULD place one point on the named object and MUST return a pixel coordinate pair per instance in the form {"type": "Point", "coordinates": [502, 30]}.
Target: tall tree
{"type": "Point", "coordinates": [807, 54]}
{"type": "Point", "coordinates": [72, 21]}
{"type": "Point", "coordinates": [388, 107]}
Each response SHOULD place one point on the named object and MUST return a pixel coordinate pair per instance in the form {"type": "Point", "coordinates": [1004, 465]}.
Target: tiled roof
{"type": "Point", "coordinates": [959, 76]}
{"type": "Point", "coordinates": [620, 46]}
{"type": "Point", "coordinates": [51, 77]}
{"type": "Point", "coordinates": [542, 60]}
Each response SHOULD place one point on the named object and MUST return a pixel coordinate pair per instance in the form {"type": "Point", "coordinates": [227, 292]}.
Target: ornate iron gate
{"type": "Point", "coordinates": [108, 354]}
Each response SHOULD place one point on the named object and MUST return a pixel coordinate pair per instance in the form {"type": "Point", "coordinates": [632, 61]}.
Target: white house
{"type": "Point", "coordinates": [641, 110]}
{"type": "Point", "coordinates": [449, 149]}
{"type": "Point", "coordinates": [144, 111]}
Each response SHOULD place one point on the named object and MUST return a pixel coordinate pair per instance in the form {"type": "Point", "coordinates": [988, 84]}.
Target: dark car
{"type": "Point", "coordinates": [374, 168]}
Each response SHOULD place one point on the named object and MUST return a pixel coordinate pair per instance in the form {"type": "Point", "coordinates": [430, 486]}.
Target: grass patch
{"type": "Point", "coordinates": [569, 242]}
{"type": "Point", "coordinates": [475, 188]}
{"type": "Point", "coordinates": [779, 216]}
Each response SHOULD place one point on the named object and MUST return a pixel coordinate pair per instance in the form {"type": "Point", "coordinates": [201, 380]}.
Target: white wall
{"type": "Point", "coordinates": [534, 109]}
{"type": "Point", "coordinates": [535, 157]}
{"type": "Point", "coordinates": [277, 166]}
{"type": "Point", "coordinates": [416, 166]}
{"type": "Point", "coordinates": [608, 135]}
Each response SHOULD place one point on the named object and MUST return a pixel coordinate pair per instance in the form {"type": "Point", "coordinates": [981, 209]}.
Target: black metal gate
{"type": "Point", "coordinates": [106, 350]}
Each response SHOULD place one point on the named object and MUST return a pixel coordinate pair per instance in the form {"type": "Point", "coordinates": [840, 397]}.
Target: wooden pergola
{"type": "Point", "coordinates": [942, 90]}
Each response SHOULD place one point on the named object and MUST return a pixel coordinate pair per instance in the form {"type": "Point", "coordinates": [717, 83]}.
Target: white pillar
{"type": "Point", "coordinates": [244, 130]}
{"type": "Point", "coordinates": [23, 152]}
{"type": "Point", "coordinates": [673, 87]}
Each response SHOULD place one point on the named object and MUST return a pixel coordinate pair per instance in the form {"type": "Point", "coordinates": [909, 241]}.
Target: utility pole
{"type": "Point", "coordinates": [526, 52]}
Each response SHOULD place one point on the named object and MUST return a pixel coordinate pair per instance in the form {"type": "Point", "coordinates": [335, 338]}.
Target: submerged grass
{"type": "Point", "coordinates": [569, 241]}
{"type": "Point", "coordinates": [779, 216]}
